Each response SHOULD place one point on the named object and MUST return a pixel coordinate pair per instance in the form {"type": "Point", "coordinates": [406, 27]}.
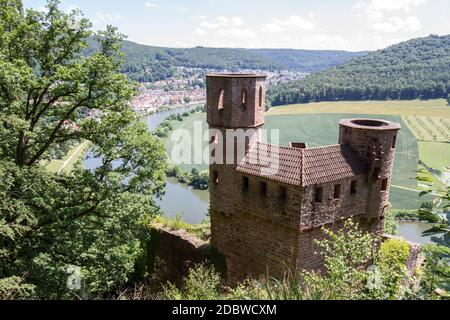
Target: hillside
{"type": "Point", "coordinates": [418, 68]}
{"type": "Point", "coordinates": [308, 61]}
{"type": "Point", "coordinates": [148, 63]}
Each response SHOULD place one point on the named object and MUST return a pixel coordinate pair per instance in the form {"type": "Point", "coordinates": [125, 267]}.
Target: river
{"type": "Point", "coordinates": [193, 204]}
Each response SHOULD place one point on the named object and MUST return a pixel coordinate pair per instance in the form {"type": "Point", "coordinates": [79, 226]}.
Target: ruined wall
{"type": "Point", "coordinates": [175, 252]}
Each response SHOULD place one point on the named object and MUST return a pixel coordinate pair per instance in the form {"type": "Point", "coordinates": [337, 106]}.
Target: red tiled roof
{"type": "Point", "coordinates": [302, 167]}
{"type": "Point", "coordinates": [277, 163]}
{"type": "Point", "coordinates": [332, 163]}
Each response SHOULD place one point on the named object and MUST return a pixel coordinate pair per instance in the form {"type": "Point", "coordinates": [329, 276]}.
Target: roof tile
{"type": "Point", "coordinates": [302, 167]}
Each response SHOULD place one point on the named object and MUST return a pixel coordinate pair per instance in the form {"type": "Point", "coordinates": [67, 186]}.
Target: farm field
{"type": "Point", "coordinates": [433, 136]}
{"type": "Point", "coordinates": [435, 155]}
{"type": "Point", "coordinates": [319, 129]}
{"type": "Point", "coordinates": [428, 108]}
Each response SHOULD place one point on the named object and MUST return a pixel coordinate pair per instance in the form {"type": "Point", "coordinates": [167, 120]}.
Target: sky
{"type": "Point", "coordinates": [353, 25]}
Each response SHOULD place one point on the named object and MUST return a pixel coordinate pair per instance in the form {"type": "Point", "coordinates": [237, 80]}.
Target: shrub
{"type": "Point", "coordinates": [14, 288]}
{"type": "Point", "coordinates": [202, 283]}
{"type": "Point", "coordinates": [392, 261]}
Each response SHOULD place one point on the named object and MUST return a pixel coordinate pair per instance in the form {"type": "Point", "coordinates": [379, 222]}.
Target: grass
{"type": "Point", "coordinates": [68, 162]}
{"type": "Point", "coordinates": [435, 155]}
{"type": "Point", "coordinates": [201, 230]}
{"type": "Point", "coordinates": [430, 108]}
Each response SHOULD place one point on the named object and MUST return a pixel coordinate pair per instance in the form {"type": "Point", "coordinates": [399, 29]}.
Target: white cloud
{"type": "Point", "coordinates": [392, 5]}
{"type": "Point", "coordinates": [151, 5]}
{"type": "Point", "coordinates": [394, 24]}
{"type": "Point", "coordinates": [390, 16]}
{"type": "Point", "coordinates": [293, 22]}
{"type": "Point", "coordinates": [210, 25]}
{"type": "Point", "coordinates": [200, 31]}
{"type": "Point", "coordinates": [110, 17]}
{"type": "Point", "coordinates": [232, 27]}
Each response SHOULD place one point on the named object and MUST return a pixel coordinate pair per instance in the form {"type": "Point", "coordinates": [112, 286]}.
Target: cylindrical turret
{"type": "Point", "coordinates": [375, 141]}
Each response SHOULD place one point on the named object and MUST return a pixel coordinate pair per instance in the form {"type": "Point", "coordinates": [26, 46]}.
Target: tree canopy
{"type": "Point", "coordinates": [51, 94]}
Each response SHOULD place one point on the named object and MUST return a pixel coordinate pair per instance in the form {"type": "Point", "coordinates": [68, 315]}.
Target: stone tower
{"type": "Point", "coordinates": [269, 203]}
{"type": "Point", "coordinates": [375, 141]}
{"type": "Point", "coordinates": [236, 107]}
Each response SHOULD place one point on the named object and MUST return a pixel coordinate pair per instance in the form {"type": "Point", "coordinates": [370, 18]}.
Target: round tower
{"type": "Point", "coordinates": [375, 141]}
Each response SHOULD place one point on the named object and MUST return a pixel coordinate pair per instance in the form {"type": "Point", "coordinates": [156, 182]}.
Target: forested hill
{"type": "Point", "coordinates": [308, 61]}
{"type": "Point", "coordinates": [418, 68]}
{"type": "Point", "coordinates": [147, 63]}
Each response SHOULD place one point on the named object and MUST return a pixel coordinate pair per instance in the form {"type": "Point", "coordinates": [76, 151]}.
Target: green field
{"type": "Point", "coordinates": [66, 164]}
{"type": "Point", "coordinates": [428, 108]}
{"type": "Point", "coordinates": [321, 128]}
{"type": "Point", "coordinates": [433, 137]}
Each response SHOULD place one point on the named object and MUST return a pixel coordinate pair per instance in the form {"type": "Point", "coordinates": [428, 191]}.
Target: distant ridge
{"type": "Point", "coordinates": [149, 63]}
{"type": "Point", "coordinates": [418, 68]}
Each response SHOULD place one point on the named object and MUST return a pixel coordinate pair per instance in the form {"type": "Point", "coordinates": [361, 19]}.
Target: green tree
{"type": "Point", "coordinates": [437, 270]}
{"type": "Point", "coordinates": [51, 93]}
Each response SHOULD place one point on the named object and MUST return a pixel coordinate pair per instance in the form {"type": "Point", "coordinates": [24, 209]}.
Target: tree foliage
{"type": "Point", "coordinates": [51, 93]}
{"type": "Point", "coordinates": [419, 68]}
{"type": "Point", "coordinates": [437, 270]}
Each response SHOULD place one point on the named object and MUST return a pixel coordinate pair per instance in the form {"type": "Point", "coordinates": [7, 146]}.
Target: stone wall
{"type": "Point", "coordinates": [175, 251]}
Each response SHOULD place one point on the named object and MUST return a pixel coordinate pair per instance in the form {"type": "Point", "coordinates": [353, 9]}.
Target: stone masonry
{"type": "Point", "coordinates": [269, 204]}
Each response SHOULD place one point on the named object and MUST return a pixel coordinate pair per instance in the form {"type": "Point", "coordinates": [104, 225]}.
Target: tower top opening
{"type": "Point", "coordinates": [370, 124]}
{"type": "Point", "coordinates": [236, 75]}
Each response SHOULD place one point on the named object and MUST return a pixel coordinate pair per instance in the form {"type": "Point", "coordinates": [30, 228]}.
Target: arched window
{"type": "Point", "coordinates": [220, 104]}
{"type": "Point", "coordinates": [244, 98]}
{"type": "Point", "coordinates": [260, 97]}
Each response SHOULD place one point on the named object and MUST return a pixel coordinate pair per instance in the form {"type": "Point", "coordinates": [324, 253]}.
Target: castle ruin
{"type": "Point", "coordinates": [265, 220]}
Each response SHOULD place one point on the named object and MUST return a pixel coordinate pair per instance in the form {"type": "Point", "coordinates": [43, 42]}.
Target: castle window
{"type": "Point", "coordinates": [244, 98]}
{"type": "Point", "coordinates": [319, 194]}
{"type": "Point", "coordinates": [394, 142]}
{"type": "Point", "coordinates": [354, 187]}
{"type": "Point", "coordinates": [221, 102]}
{"type": "Point", "coordinates": [247, 144]}
{"type": "Point", "coordinates": [245, 184]}
{"type": "Point", "coordinates": [384, 184]}
{"type": "Point", "coordinates": [283, 196]}
{"type": "Point", "coordinates": [260, 97]}
{"type": "Point", "coordinates": [215, 178]}
{"type": "Point", "coordinates": [337, 191]}
{"type": "Point", "coordinates": [214, 141]}
{"type": "Point", "coordinates": [263, 188]}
